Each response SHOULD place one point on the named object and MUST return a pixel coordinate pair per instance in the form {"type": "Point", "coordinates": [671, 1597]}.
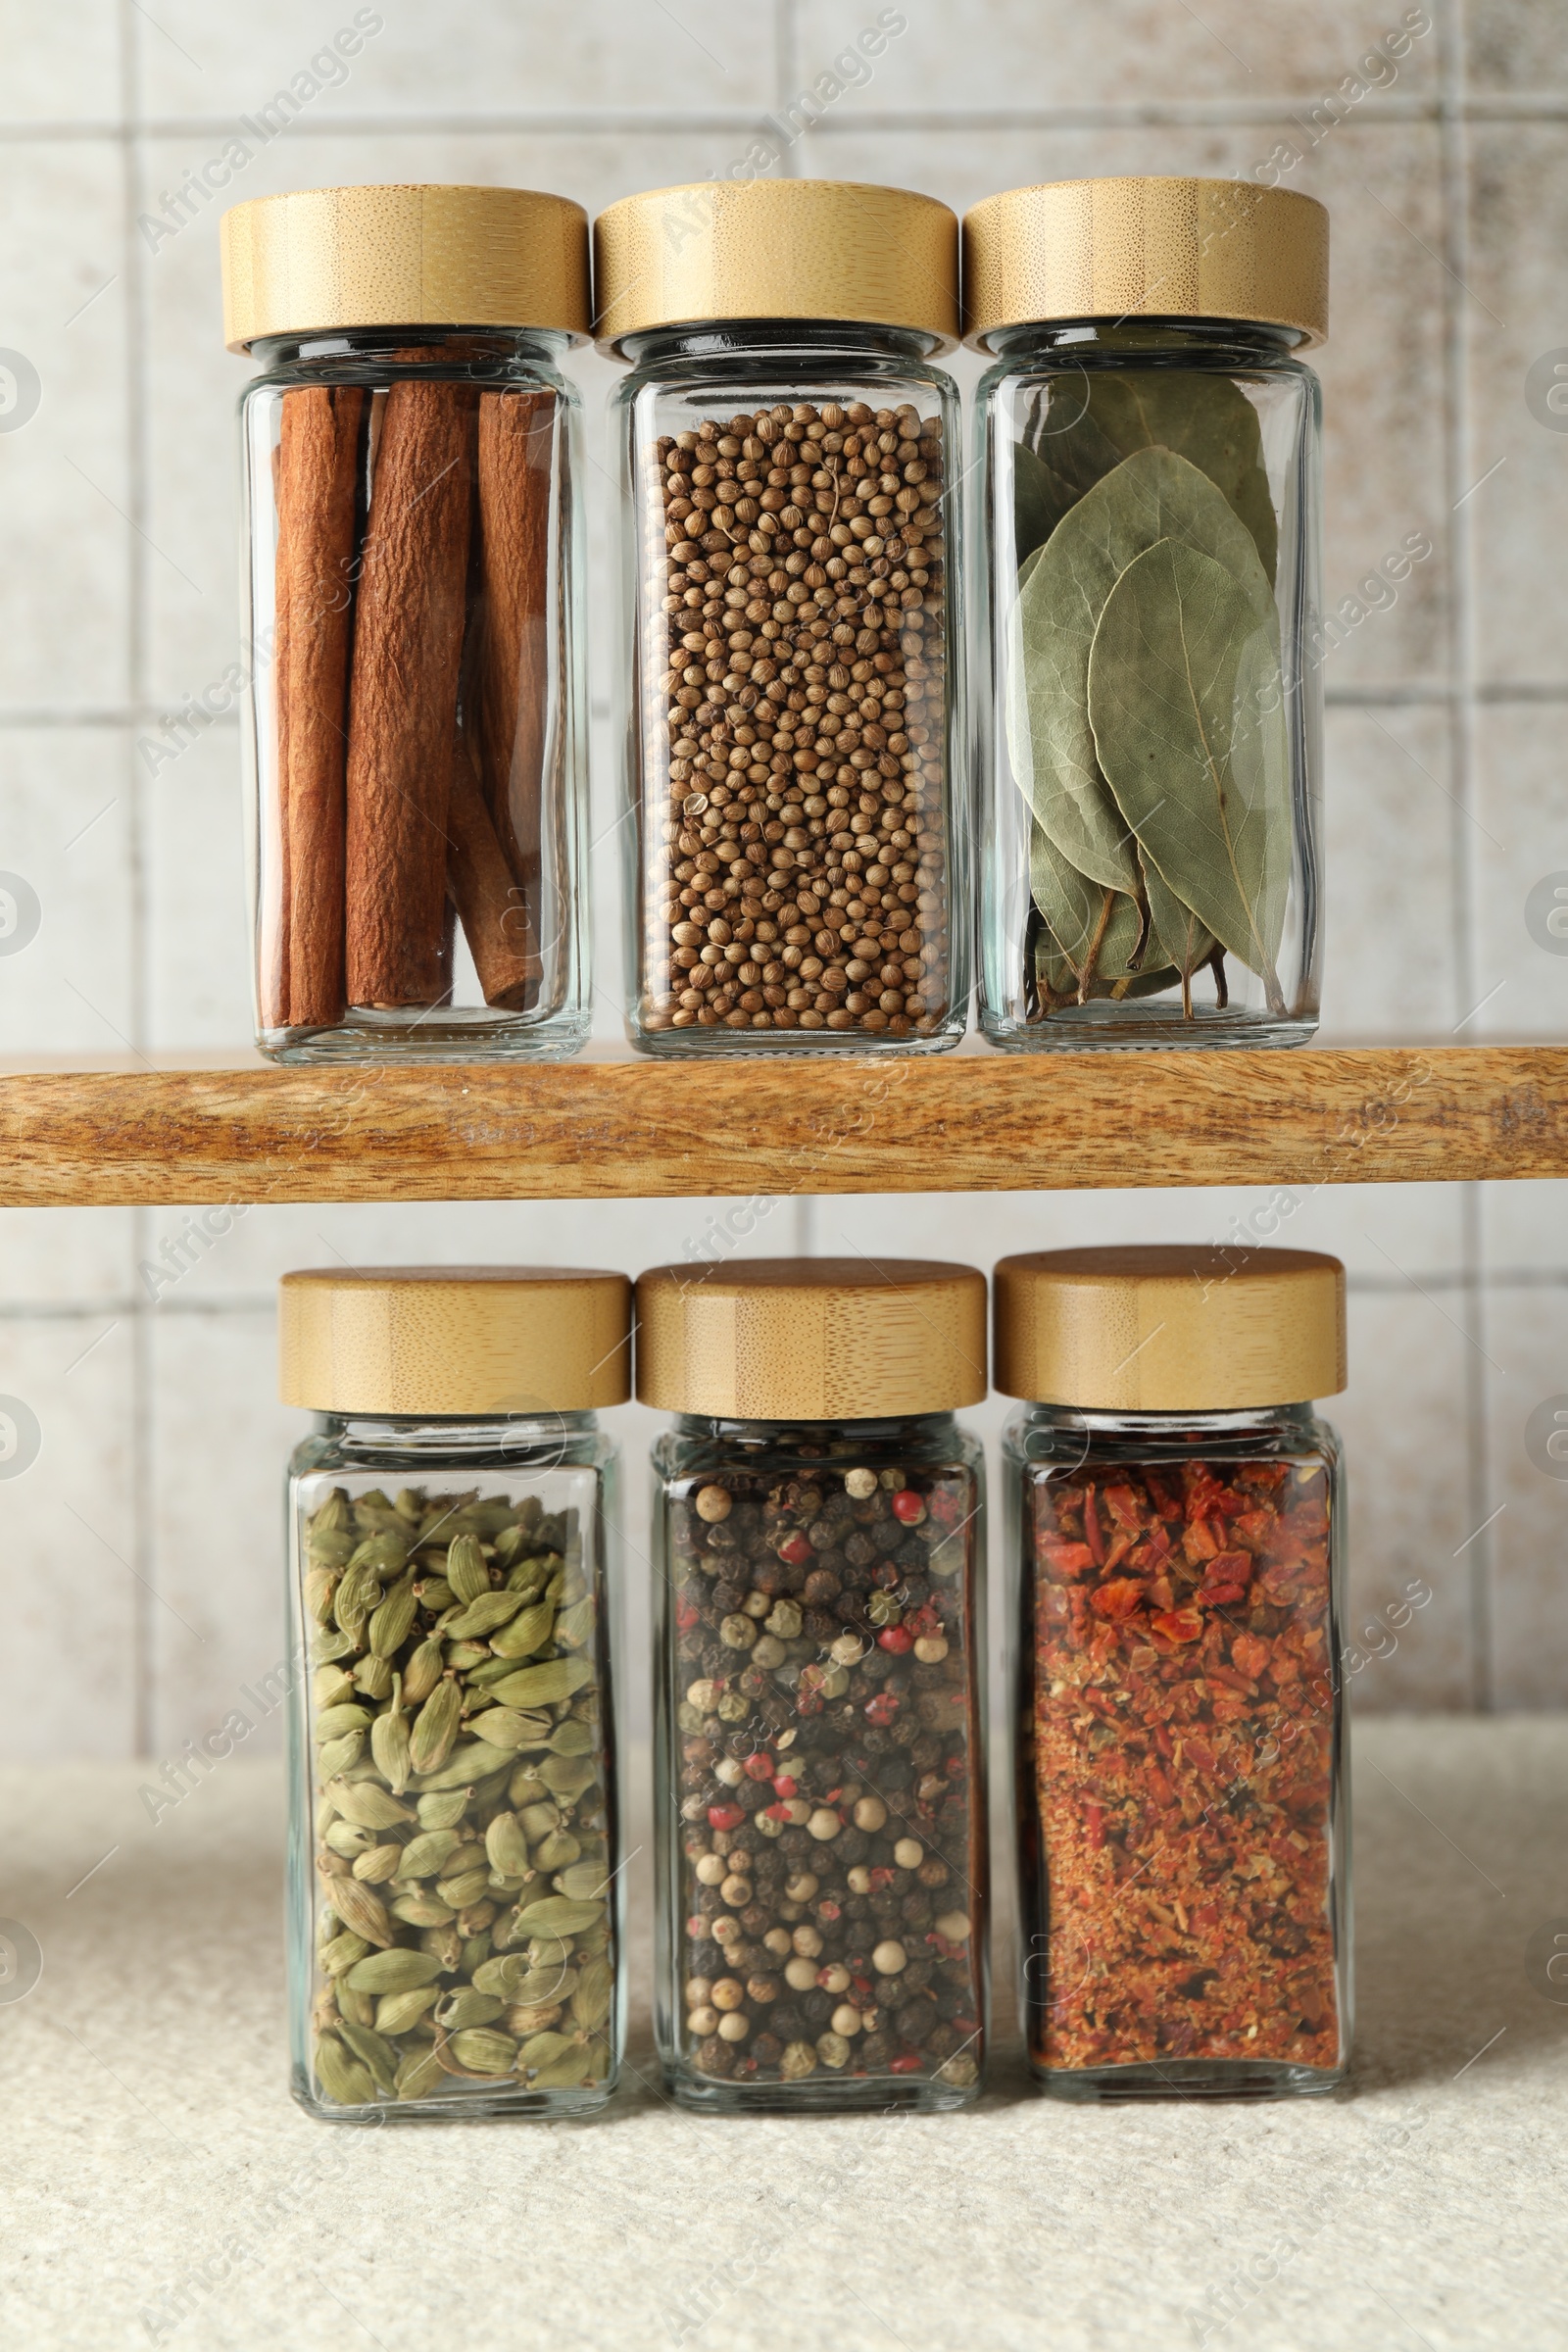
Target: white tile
{"type": "Point", "coordinates": [1527, 1332]}
{"type": "Point", "coordinates": [66, 965]}
{"type": "Point", "coordinates": [1511, 45]}
{"type": "Point", "coordinates": [1391, 817]}
{"type": "Point", "coordinates": [465, 59]}
{"type": "Point", "coordinates": [1518, 316]}
{"type": "Point", "coordinates": [62, 65]}
{"type": "Point", "coordinates": [64, 468]}
{"type": "Point", "coordinates": [197, 948]}
{"type": "Point", "coordinates": [1018, 53]}
{"type": "Point", "coordinates": [1525, 1227]}
{"type": "Point", "coordinates": [65, 1257]}
{"type": "Point", "coordinates": [69, 1585]}
{"type": "Point", "coordinates": [1521, 985]}
{"type": "Point", "coordinates": [1383, 461]}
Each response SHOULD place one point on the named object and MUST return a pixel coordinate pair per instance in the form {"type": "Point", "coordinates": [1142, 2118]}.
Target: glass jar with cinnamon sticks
{"type": "Point", "coordinates": [415, 745]}
{"type": "Point", "coordinates": [1176, 1531]}
{"type": "Point", "coordinates": [797, 848]}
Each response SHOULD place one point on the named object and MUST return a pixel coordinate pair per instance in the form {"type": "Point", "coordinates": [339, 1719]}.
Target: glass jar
{"type": "Point", "coordinates": [416, 745]}
{"type": "Point", "coordinates": [1177, 1569]}
{"type": "Point", "coordinates": [1146, 588]}
{"type": "Point", "coordinates": [796, 855]}
{"type": "Point", "coordinates": [820, 1777]}
{"type": "Point", "coordinates": [456, 1944]}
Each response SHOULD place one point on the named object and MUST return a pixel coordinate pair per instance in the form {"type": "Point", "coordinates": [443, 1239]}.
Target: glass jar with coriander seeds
{"type": "Point", "coordinates": [416, 738]}
{"type": "Point", "coordinates": [796, 856]}
{"type": "Point", "coordinates": [1146, 593]}
{"type": "Point", "coordinates": [819, 1685]}
{"type": "Point", "coordinates": [1176, 1566]}
{"type": "Point", "coordinates": [454, 1929]}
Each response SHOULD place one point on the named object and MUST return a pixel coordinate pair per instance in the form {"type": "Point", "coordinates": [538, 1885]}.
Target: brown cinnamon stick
{"type": "Point", "coordinates": [491, 902]}
{"type": "Point", "coordinates": [516, 434]}
{"type": "Point", "coordinates": [403, 698]}
{"type": "Point", "coordinates": [271, 946]}
{"type": "Point", "coordinates": [316, 477]}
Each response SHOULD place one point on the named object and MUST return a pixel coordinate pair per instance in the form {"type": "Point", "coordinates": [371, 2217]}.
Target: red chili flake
{"type": "Point", "coordinates": [882, 1877]}
{"type": "Point", "coordinates": [909, 1507]}
{"type": "Point", "coordinates": [1095, 1821]}
{"type": "Point", "coordinates": [795, 1548]}
{"type": "Point", "coordinates": [923, 1620]}
{"type": "Point", "coordinates": [776, 1812]}
{"type": "Point", "coordinates": [1177, 1625]}
{"type": "Point", "coordinates": [909, 2063]}
{"type": "Point", "coordinates": [897, 1638]}
{"type": "Point", "coordinates": [725, 1817]}
{"type": "Point", "coordinates": [1118, 1598]}
{"type": "Point", "coordinates": [1250, 1654]}
{"type": "Point", "coordinates": [760, 1766]}
{"type": "Point", "coordinates": [687, 1614]}
{"type": "Point", "coordinates": [1063, 1558]}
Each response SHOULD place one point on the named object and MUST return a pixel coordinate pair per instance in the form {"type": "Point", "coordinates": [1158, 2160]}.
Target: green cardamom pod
{"type": "Point", "coordinates": [379, 1865]}
{"type": "Point", "coordinates": [483, 2051]}
{"type": "Point", "coordinates": [335, 1516]}
{"type": "Point", "coordinates": [336, 1957]}
{"type": "Point", "coordinates": [475, 1950]}
{"type": "Point", "coordinates": [400, 2012]}
{"type": "Point", "coordinates": [572, 1738]}
{"type": "Point", "coordinates": [580, 1882]}
{"type": "Point", "coordinates": [344, 1838]}
{"type": "Point", "coordinates": [355, 1599]}
{"type": "Point", "coordinates": [461, 1893]}
{"type": "Point", "coordinates": [333, 1722]}
{"type": "Point", "coordinates": [502, 1975]}
{"type": "Point", "coordinates": [363, 1802]}
{"type": "Point", "coordinates": [361, 1909]}
{"type": "Point", "coordinates": [542, 1685]}
{"type": "Point", "coordinates": [567, 2072]}
{"type": "Point", "coordinates": [424, 1671]}
{"type": "Point", "coordinates": [557, 1851]}
{"type": "Point", "coordinates": [436, 1727]}
{"type": "Point", "coordinates": [421, 1909]}
{"type": "Point", "coordinates": [392, 1621]}
{"type": "Point", "coordinates": [467, 1765]}
{"type": "Point", "coordinates": [538, 1820]}
{"type": "Point", "coordinates": [541, 2049]}
{"type": "Point", "coordinates": [589, 2003]}
{"type": "Point", "coordinates": [423, 1856]}
{"type": "Point", "coordinates": [375, 2053]}
{"type": "Point", "coordinates": [354, 2008]}
{"type": "Point", "coordinates": [328, 1646]}
{"type": "Point", "coordinates": [396, 1971]}
{"type": "Point", "coordinates": [568, 1776]}
{"type": "Point", "coordinates": [466, 1572]}
{"type": "Point", "coordinates": [525, 1788]}
{"type": "Point", "coordinates": [558, 1915]}
{"type": "Point", "coordinates": [507, 1846]}
{"type": "Point", "coordinates": [529, 1578]}
{"type": "Point", "coordinates": [463, 1656]}
{"type": "Point", "coordinates": [341, 1754]}
{"type": "Point", "coordinates": [372, 1676]}
{"type": "Point", "coordinates": [503, 1728]}
{"type": "Point", "coordinates": [469, 2007]}
{"type": "Point", "coordinates": [391, 1743]}
{"type": "Point", "coordinates": [482, 1616]}
{"type": "Point", "coordinates": [435, 1595]}
{"type": "Point", "coordinates": [528, 1631]}
{"type": "Point", "coordinates": [321, 1584]}
{"type": "Point", "coordinates": [345, 2081]}
{"type": "Point", "coordinates": [331, 1687]}
{"type": "Point", "coordinates": [420, 2071]}
{"type": "Point", "coordinates": [575, 1624]}
{"type": "Point", "coordinates": [443, 1809]}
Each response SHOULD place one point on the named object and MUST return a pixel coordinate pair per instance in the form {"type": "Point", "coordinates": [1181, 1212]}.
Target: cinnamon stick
{"type": "Point", "coordinates": [316, 477]}
{"type": "Point", "coordinates": [490, 901]}
{"type": "Point", "coordinates": [271, 946]}
{"type": "Point", "coordinates": [403, 697]}
{"type": "Point", "coordinates": [517, 436]}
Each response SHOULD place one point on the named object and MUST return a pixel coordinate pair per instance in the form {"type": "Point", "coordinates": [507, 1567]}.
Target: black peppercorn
{"type": "Point", "coordinates": [715, 2057]}
{"type": "Point", "coordinates": [817, 2008]}
{"type": "Point", "coordinates": [914, 2021]}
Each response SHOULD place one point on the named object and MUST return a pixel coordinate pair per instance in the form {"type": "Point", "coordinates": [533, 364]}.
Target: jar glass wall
{"type": "Point", "coordinates": [1175, 1605]}
{"type": "Point", "coordinates": [796, 856]}
{"type": "Point", "coordinates": [454, 1929]}
{"type": "Point", "coordinates": [415, 745]}
{"type": "Point", "coordinates": [1147, 596]}
{"type": "Point", "coordinates": [821, 1887]}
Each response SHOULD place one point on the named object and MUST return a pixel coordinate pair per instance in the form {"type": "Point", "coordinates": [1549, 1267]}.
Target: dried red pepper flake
{"type": "Point", "coordinates": [882, 1709]}
{"type": "Point", "coordinates": [687, 1614]}
{"type": "Point", "coordinates": [1183, 1766]}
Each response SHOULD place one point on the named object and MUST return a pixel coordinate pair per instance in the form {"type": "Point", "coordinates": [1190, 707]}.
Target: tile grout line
{"type": "Point", "coordinates": [142, 1420]}
{"type": "Point", "coordinates": [1455, 200]}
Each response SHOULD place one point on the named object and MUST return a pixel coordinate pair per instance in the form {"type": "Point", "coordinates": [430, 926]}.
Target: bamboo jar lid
{"type": "Point", "coordinates": [811, 1339]}
{"type": "Point", "coordinates": [1170, 1330]}
{"type": "Point", "coordinates": [406, 256]}
{"type": "Point", "coordinates": [1146, 249]}
{"type": "Point", "coordinates": [776, 249]}
{"type": "Point", "coordinates": [459, 1340]}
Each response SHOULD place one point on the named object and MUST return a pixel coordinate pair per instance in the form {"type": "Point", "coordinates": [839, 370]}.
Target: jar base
{"type": "Point", "coordinates": [389, 1039]}
{"type": "Point", "coordinates": [1188, 2079]}
{"type": "Point", "coordinates": [922, 2095]}
{"type": "Point", "coordinates": [1128, 1029]}
{"type": "Point", "coordinates": [472, 2105]}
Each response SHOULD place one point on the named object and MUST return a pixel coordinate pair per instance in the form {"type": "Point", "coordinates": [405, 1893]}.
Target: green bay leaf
{"type": "Point", "coordinates": [1184, 941]}
{"type": "Point", "coordinates": [1190, 731]}
{"type": "Point", "coordinates": [1150, 495]}
{"type": "Point", "coordinates": [1076, 917]}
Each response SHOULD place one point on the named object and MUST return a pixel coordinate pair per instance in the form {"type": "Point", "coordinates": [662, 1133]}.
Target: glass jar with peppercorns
{"type": "Point", "coordinates": [796, 855]}
{"type": "Point", "coordinates": [1176, 1537]}
{"type": "Point", "coordinates": [820, 1794]}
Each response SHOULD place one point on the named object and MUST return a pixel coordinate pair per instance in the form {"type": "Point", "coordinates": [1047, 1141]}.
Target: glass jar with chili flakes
{"type": "Point", "coordinates": [820, 1785]}
{"type": "Point", "coordinates": [1175, 1517]}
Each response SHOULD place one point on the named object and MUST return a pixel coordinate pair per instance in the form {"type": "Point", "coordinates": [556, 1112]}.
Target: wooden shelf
{"type": "Point", "coordinates": [623, 1129]}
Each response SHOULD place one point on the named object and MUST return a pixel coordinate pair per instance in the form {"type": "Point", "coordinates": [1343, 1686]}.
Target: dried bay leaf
{"type": "Point", "coordinates": [1151, 496]}
{"type": "Point", "coordinates": [1184, 942]}
{"type": "Point", "coordinates": [1190, 730]}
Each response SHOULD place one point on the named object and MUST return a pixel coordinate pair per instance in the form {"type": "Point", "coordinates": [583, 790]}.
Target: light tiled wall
{"type": "Point", "coordinates": [139, 1556]}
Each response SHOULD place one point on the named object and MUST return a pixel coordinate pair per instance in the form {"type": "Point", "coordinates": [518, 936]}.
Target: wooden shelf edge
{"type": "Point", "coordinates": [640, 1130]}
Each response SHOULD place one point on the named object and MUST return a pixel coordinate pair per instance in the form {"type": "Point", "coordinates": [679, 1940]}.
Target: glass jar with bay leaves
{"type": "Point", "coordinates": [454, 1929]}
{"type": "Point", "coordinates": [1145, 584]}
{"type": "Point", "coordinates": [796, 855]}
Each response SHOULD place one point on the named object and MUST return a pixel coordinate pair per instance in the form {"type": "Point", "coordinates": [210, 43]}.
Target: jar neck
{"type": "Point", "coordinates": [720, 339]}
{"type": "Point", "coordinates": [466, 351]}
{"type": "Point", "coordinates": [449, 1437]}
{"type": "Point", "coordinates": [1261, 1420]}
{"type": "Point", "coordinates": [896, 1430]}
{"type": "Point", "coordinates": [1107, 341]}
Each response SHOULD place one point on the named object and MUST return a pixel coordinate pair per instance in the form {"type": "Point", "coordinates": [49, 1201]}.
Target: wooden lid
{"type": "Point", "coordinates": [811, 1339]}
{"type": "Point", "coordinates": [1170, 1330]}
{"type": "Point", "coordinates": [321, 259]}
{"type": "Point", "coordinates": [776, 249]}
{"type": "Point", "coordinates": [1146, 249]}
{"type": "Point", "coordinates": [461, 1339]}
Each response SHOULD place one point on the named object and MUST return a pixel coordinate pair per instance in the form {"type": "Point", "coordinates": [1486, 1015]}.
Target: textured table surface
{"type": "Point", "coordinates": [159, 2185]}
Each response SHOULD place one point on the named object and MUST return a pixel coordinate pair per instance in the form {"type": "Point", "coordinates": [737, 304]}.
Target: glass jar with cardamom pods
{"type": "Point", "coordinates": [455, 1933]}
{"type": "Point", "coordinates": [789, 674]}
{"type": "Point", "coordinates": [820, 1778]}
{"type": "Point", "coordinates": [1176, 1565]}
{"type": "Point", "coordinates": [415, 739]}
{"type": "Point", "coordinates": [1146, 584]}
